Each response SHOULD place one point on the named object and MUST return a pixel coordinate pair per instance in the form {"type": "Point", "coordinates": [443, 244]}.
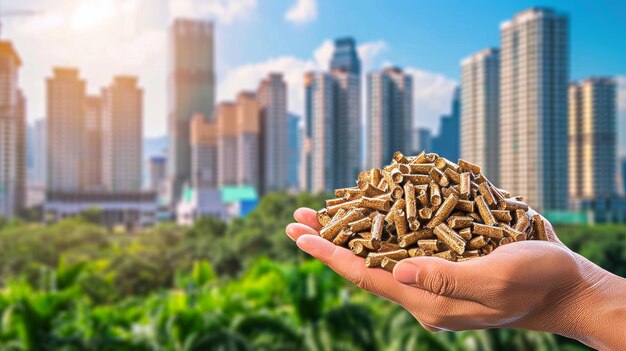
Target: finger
{"type": "Point", "coordinates": [352, 267]}
{"type": "Point", "coordinates": [295, 230]}
{"type": "Point", "coordinates": [308, 217]}
{"type": "Point", "coordinates": [458, 280]}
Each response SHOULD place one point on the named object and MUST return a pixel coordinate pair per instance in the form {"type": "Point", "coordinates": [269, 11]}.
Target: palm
{"type": "Point", "coordinates": [493, 291]}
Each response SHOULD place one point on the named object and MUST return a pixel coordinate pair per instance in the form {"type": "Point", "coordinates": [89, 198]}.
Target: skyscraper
{"type": "Point", "coordinates": [272, 98]}
{"type": "Point", "coordinates": [479, 110]}
{"type": "Point", "coordinates": [592, 138]}
{"type": "Point", "coordinates": [422, 140]}
{"type": "Point", "coordinates": [92, 152]}
{"type": "Point", "coordinates": [122, 121]}
{"type": "Point", "coordinates": [39, 152]}
{"type": "Point", "coordinates": [294, 145]}
{"type": "Point", "coordinates": [227, 144]}
{"type": "Point", "coordinates": [345, 56]}
{"type": "Point", "coordinates": [203, 152]}
{"type": "Point", "coordinates": [534, 69]}
{"type": "Point", "coordinates": [389, 115]}
{"type": "Point", "coordinates": [65, 93]}
{"type": "Point", "coordinates": [447, 141]}
{"type": "Point", "coordinates": [157, 171]}
{"type": "Point", "coordinates": [332, 141]}
{"type": "Point", "coordinates": [248, 157]}
{"type": "Point", "coordinates": [12, 133]}
{"type": "Point", "coordinates": [191, 90]}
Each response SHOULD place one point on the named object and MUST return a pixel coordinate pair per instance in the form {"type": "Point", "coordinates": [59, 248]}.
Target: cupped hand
{"type": "Point", "coordinates": [530, 284]}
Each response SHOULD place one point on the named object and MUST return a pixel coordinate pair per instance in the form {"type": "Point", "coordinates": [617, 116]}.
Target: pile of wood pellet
{"type": "Point", "coordinates": [426, 205]}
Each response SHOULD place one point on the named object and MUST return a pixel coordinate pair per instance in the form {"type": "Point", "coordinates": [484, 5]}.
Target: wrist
{"type": "Point", "coordinates": [594, 311]}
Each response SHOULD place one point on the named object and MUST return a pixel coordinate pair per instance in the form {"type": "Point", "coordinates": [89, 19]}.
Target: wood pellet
{"type": "Point", "coordinates": [426, 205]}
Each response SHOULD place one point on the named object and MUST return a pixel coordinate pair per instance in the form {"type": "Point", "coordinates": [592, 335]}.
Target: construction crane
{"type": "Point", "coordinates": [14, 13]}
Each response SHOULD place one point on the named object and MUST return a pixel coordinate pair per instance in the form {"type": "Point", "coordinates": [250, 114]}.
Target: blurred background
{"type": "Point", "coordinates": [152, 152]}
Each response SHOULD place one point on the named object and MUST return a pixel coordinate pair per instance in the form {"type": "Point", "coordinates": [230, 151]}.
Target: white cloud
{"type": "Point", "coordinates": [323, 54]}
{"type": "Point", "coordinates": [225, 11]}
{"type": "Point", "coordinates": [432, 94]}
{"type": "Point", "coordinates": [369, 52]}
{"type": "Point", "coordinates": [303, 11]}
{"type": "Point", "coordinates": [247, 77]}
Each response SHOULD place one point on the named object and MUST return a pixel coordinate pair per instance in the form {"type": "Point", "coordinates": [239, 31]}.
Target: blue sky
{"type": "Point", "coordinates": [428, 38]}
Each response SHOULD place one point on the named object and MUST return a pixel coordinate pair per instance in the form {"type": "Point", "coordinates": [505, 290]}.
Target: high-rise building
{"type": "Point", "coordinates": [191, 90]}
{"type": "Point", "coordinates": [534, 70]}
{"type": "Point", "coordinates": [157, 171]}
{"type": "Point", "coordinates": [480, 110]}
{"type": "Point", "coordinates": [422, 140]}
{"type": "Point", "coordinates": [332, 141]}
{"type": "Point", "coordinates": [227, 144]}
{"type": "Point", "coordinates": [389, 115]}
{"type": "Point", "coordinates": [39, 151]}
{"type": "Point", "coordinates": [12, 133]}
{"type": "Point", "coordinates": [66, 94]}
{"type": "Point", "coordinates": [122, 121]}
{"type": "Point", "coordinates": [592, 139]}
{"type": "Point", "coordinates": [447, 141]}
{"type": "Point", "coordinates": [92, 151]}
{"type": "Point", "coordinates": [272, 99]}
{"type": "Point", "coordinates": [345, 56]}
{"type": "Point", "coordinates": [294, 145]}
{"type": "Point", "coordinates": [203, 152]}
{"type": "Point", "coordinates": [248, 156]}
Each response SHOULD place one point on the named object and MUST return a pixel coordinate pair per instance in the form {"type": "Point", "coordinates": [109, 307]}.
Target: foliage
{"type": "Point", "coordinates": [217, 286]}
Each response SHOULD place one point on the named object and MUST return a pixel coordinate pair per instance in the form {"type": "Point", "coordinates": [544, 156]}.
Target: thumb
{"type": "Point", "coordinates": [459, 280]}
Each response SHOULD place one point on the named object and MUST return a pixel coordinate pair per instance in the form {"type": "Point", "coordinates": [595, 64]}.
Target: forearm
{"type": "Point", "coordinates": [596, 314]}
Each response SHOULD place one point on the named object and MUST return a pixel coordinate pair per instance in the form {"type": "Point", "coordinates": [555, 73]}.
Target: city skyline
{"type": "Point", "coordinates": [140, 41]}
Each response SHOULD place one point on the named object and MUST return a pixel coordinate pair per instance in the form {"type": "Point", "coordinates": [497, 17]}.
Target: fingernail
{"type": "Point", "coordinates": [405, 272]}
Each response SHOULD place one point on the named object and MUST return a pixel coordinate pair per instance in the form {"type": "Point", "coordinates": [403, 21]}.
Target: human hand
{"type": "Point", "coordinates": [534, 285]}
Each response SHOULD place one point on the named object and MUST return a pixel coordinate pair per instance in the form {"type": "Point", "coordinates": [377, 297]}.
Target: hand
{"type": "Point", "coordinates": [535, 285]}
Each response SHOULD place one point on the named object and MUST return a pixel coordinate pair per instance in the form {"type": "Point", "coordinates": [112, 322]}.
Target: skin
{"type": "Point", "coordinates": [534, 285]}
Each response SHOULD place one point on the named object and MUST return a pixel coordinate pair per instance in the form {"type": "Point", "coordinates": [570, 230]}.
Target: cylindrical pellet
{"type": "Point", "coordinates": [453, 177]}
{"type": "Point", "coordinates": [522, 223]}
{"type": "Point", "coordinates": [375, 259]}
{"type": "Point", "coordinates": [388, 264]}
{"type": "Point", "coordinates": [451, 238]}
{"type": "Point", "coordinates": [444, 211]}
{"type": "Point", "coordinates": [346, 206]}
{"type": "Point", "coordinates": [485, 211]}
{"type": "Point", "coordinates": [343, 237]}
{"type": "Point", "coordinates": [438, 177]}
{"type": "Point", "coordinates": [466, 233]}
{"type": "Point", "coordinates": [465, 205]}
{"type": "Point", "coordinates": [359, 250]}
{"type": "Point", "coordinates": [375, 203]}
{"type": "Point", "coordinates": [409, 197]}
{"type": "Point", "coordinates": [322, 217]}
{"type": "Point", "coordinates": [539, 227]}
{"type": "Point", "coordinates": [362, 224]}
{"type": "Point", "coordinates": [421, 168]}
{"type": "Point", "coordinates": [417, 179]}
{"type": "Point", "coordinates": [369, 190]}
{"type": "Point", "coordinates": [487, 230]}
{"type": "Point", "coordinates": [469, 167]}
{"type": "Point", "coordinates": [447, 255]}
{"type": "Point", "coordinates": [484, 190]}
{"type": "Point", "coordinates": [425, 213]}
{"type": "Point", "coordinates": [465, 186]}
{"type": "Point", "coordinates": [430, 244]}
{"type": "Point", "coordinates": [476, 243]}
{"type": "Point", "coordinates": [335, 227]}
{"type": "Point", "coordinates": [396, 176]}
{"type": "Point", "coordinates": [460, 222]}
{"type": "Point", "coordinates": [435, 194]}
{"type": "Point", "coordinates": [399, 157]}
{"type": "Point", "coordinates": [399, 220]}
{"type": "Point", "coordinates": [501, 215]}
{"type": "Point", "coordinates": [412, 237]}
{"type": "Point", "coordinates": [377, 227]}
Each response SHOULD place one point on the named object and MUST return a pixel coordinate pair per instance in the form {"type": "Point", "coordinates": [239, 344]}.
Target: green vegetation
{"type": "Point", "coordinates": [213, 286]}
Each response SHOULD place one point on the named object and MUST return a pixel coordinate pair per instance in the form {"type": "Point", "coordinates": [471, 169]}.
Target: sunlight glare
{"type": "Point", "coordinates": [92, 13]}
